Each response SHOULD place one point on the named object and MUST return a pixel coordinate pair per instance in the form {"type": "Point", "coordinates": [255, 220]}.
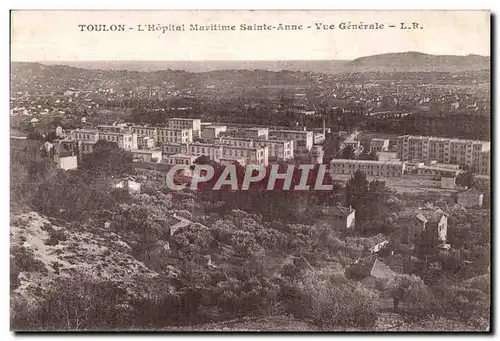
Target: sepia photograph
{"type": "Point", "coordinates": [250, 171]}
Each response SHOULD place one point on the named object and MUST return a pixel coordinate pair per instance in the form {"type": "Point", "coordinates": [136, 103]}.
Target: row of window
{"type": "Point", "coordinates": [351, 166]}
{"type": "Point", "coordinates": [179, 161]}
{"type": "Point", "coordinates": [373, 173]}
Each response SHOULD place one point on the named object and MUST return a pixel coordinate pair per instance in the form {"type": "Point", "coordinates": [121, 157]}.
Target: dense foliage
{"type": "Point", "coordinates": [232, 260]}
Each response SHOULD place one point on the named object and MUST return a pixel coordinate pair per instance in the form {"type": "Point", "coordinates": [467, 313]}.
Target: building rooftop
{"type": "Point", "coordinates": [337, 211]}
{"type": "Point", "coordinates": [376, 239]}
{"type": "Point", "coordinates": [86, 131]}
{"type": "Point", "coordinates": [370, 162]}
{"type": "Point", "coordinates": [237, 138]}
{"type": "Point", "coordinates": [199, 144]}
{"type": "Point", "coordinates": [173, 129]}
{"type": "Point", "coordinates": [232, 158]}
{"type": "Point", "coordinates": [145, 151]}
{"type": "Point", "coordinates": [290, 131]}
{"type": "Point", "coordinates": [144, 127]}
{"type": "Point", "coordinates": [441, 139]}
{"type": "Point", "coordinates": [214, 126]}
{"type": "Point", "coordinates": [381, 270]}
{"type": "Point", "coordinates": [432, 216]}
{"type": "Point", "coordinates": [182, 156]}
{"type": "Point", "coordinates": [256, 129]}
{"type": "Point", "coordinates": [114, 133]}
{"type": "Point", "coordinates": [242, 147]}
{"type": "Point", "coordinates": [184, 119]}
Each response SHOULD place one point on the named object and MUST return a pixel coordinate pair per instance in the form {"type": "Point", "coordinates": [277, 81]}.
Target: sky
{"type": "Point", "coordinates": [55, 35]}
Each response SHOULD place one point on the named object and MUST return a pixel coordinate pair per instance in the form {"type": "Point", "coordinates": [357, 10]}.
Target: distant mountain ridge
{"type": "Point", "coordinates": [388, 62]}
{"type": "Point", "coordinates": [417, 61]}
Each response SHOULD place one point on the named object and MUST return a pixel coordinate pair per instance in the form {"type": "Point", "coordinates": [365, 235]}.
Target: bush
{"type": "Point", "coordinates": [76, 304]}
{"type": "Point", "coordinates": [333, 302]}
{"type": "Point", "coordinates": [56, 236]}
{"type": "Point", "coordinates": [466, 303]}
{"type": "Point", "coordinates": [22, 260]}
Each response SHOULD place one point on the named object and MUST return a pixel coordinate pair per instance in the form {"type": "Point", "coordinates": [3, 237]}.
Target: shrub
{"type": "Point", "coordinates": [55, 236]}
{"type": "Point", "coordinates": [22, 259]}
{"type": "Point", "coordinates": [466, 302]}
{"type": "Point", "coordinates": [332, 302]}
{"type": "Point", "coordinates": [80, 304]}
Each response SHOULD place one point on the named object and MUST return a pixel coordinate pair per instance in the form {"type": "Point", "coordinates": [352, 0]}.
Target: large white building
{"type": "Point", "coordinates": [145, 142]}
{"type": "Point", "coordinates": [118, 128]}
{"type": "Point", "coordinates": [379, 145]}
{"type": "Point", "coordinates": [148, 131]}
{"type": "Point", "coordinates": [484, 163]}
{"type": "Point", "coordinates": [249, 133]}
{"type": "Point", "coordinates": [85, 135]}
{"type": "Point", "coordinates": [278, 149]}
{"type": "Point", "coordinates": [303, 140]}
{"type": "Point", "coordinates": [186, 123]}
{"type": "Point", "coordinates": [212, 132]}
{"type": "Point", "coordinates": [256, 132]}
{"type": "Point", "coordinates": [126, 140]}
{"type": "Point", "coordinates": [369, 167]}
{"type": "Point", "coordinates": [253, 155]}
{"type": "Point", "coordinates": [174, 135]}
{"type": "Point", "coordinates": [213, 151]}
{"type": "Point", "coordinates": [473, 154]}
{"type": "Point", "coordinates": [171, 148]}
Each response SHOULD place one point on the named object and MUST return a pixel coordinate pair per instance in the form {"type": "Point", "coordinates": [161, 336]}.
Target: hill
{"type": "Point", "coordinates": [418, 62]}
{"type": "Point", "coordinates": [211, 65]}
{"type": "Point", "coordinates": [388, 62]}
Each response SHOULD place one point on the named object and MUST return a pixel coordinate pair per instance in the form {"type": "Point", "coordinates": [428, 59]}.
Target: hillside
{"type": "Point", "coordinates": [416, 61]}
{"type": "Point", "coordinates": [104, 256]}
{"type": "Point", "coordinates": [212, 65]}
{"type": "Point", "coordinates": [58, 251]}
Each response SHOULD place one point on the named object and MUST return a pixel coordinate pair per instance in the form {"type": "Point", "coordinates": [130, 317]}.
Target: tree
{"type": "Point", "coordinates": [334, 301]}
{"type": "Point", "coordinates": [202, 160]}
{"type": "Point", "coordinates": [348, 153]}
{"type": "Point", "coordinates": [411, 291]}
{"type": "Point", "coordinates": [465, 179]}
{"type": "Point", "coordinates": [356, 188]}
{"type": "Point", "coordinates": [366, 155]}
{"type": "Point", "coordinates": [369, 199]}
{"type": "Point", "coordinates": [83, 304]}
{"type": "Point", "coordinates": [35, 135]}
{"type": "Point", "coordinates": [107, 160]}
{"type": "Point", "coordinates": [51, 136]}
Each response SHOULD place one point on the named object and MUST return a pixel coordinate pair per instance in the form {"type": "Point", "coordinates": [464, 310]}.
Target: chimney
{"type": "Point", "coordinates": [324, 128]}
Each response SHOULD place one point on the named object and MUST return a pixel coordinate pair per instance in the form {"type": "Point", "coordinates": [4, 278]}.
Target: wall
{"type": "Point", "coordinates": [448, 183]}
{"type": "Point", "coordinates": [351, 219]}
{"type": "Point", "coordinates": [68, 162]}
{"type": "Point", "coordinates": [468, 200]}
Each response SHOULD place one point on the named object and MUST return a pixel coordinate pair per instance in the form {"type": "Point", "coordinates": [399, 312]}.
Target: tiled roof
{"type": "Point", "coordinates": [381, 270]}
{"type": "Point", "coordinates": [431, 215]}
{"type": "Point", "coordinates": [337, 211]}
